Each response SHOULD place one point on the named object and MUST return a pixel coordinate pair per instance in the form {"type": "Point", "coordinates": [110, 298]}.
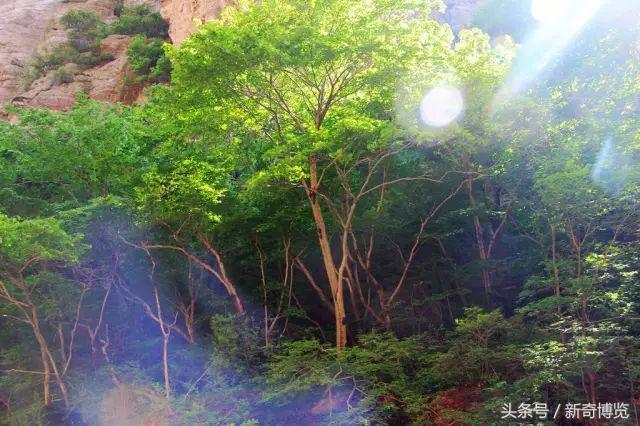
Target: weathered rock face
{"type": "Point", "coordinates": [105, 82]}
{"type": "Point", "coordinates": [27, 26]}
{"type": "Point", "coordinates": [181, 13]}
{"type": "Point", "coordinates": [22, 26]}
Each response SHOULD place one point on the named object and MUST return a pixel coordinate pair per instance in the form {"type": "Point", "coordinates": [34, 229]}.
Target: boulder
{"type": "Point", "coordinates": [115, 44]}
{"type": "Point", "coordinates": [44, 93]}
{"type": "Point", "coordinates": [108, 80]}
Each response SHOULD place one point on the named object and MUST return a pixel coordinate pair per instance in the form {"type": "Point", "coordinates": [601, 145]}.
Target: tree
{"type": "Point", "coordinates": [36, 256]}
{"type": "Point", "coordinates": [320, 98]}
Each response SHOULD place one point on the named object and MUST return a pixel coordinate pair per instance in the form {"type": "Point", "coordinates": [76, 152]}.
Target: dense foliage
{"type": "Point", "coordinates": [277, 237]}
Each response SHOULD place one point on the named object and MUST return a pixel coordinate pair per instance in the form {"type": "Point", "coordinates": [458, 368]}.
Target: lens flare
{"type": "Point", "coordinates": [441, 106]}
{"type": "Point", "coordinates": [609, 171]}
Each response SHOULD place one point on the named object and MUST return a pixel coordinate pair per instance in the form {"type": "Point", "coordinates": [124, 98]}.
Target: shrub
{"type": "Point", "coordinates": [43, 62]}
{"type": "Point", "coordinates": [144, 53]}
{"type": "Point", "coordinates": [62, 76]}
{"type": "Point", "coordinates": [148, 59]}
{"type": "Point", "coordinates": [48, 61]}
{"type": "Point", "coordinates": [80, 20]}
{"type": "Point", "coordinates": [236, 344]}
{"type": "Point", "coordinates": [477, 352]}
{"type": "Point", "coordinates": [85, 30]}
{"type": "Point", "coordinates": [161, 73]}
{"type": "Point", "coordinates": [88, 61]}
{"type": "Point", "coordinates": [117, 10]}
{"type": "Point", "coordinates": [139, 10]}
{"type": "Point", "coordinates": [140, 20]}
{"type": "Point", "coordinates": [154, 25]}
{"type": "Point", "coordinates": [379, 378]}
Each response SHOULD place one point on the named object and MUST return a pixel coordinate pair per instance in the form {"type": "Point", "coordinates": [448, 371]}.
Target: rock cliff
{"type": "Point", "coordinates": [29, 26]}
{"type": "Point", "coordinates": [105, 82]}
{"type": "Point", "coordinates": [181, 15]}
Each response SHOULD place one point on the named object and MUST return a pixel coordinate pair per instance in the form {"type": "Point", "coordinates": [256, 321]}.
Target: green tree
{"type": "Point", "coordinates": [34, 255]}
{"type": "Point", "coordinates": [317, 99]}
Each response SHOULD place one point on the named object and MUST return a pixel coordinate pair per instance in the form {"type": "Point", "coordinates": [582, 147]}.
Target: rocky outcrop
{"type": "Point", "coordinates": [44, 93]}
{"type": "Point", "coordinates": [105, 82]}
{"type": "Point", "coordinates": [182, 13]}
{"type": "Point", "coordinates": [29, 26]}
{"type": "Point", "coordinates": [22, 26]}
{"type": "Point", "coordinates": [108, 82]}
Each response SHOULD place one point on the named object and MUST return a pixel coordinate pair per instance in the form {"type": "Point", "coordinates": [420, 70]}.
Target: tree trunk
{"type": "Point", "coordinates": [49, 362]}
{"type": "Point", "coordinates": [577, 247]}
{"type": "Point", "coordinates": [482, 251]}
{"type": "Point", "coordinates": [47, 375]}
{"type": "Point", "coordinates": [221, 274]}
{"type": "Point", "coordinates": [165, 364]}
{"type": "Point", "coordinates": [554, 263]}
{"type": "Point", "coordinates": [341, 321]}
{"type": "Point", "coordinates": [556, 276]}
{"type": "Point", "coordinates": [327, 256]}
{"type": "Point", "coordinates": [352, 294]}
{"type": "Point", "coordinates": [594, 396]}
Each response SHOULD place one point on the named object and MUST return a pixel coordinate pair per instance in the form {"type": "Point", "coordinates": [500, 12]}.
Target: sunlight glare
{"type": "Point", "coordinates": [549, 10]}
{"type": "Point", "coordinates": [441, 106]}
{"type": "Point", "coordinates": [560, 21]}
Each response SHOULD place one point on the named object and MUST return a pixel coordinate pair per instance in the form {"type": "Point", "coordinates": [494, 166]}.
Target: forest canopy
{"type": "Point", "coordinates": [336, 212]}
